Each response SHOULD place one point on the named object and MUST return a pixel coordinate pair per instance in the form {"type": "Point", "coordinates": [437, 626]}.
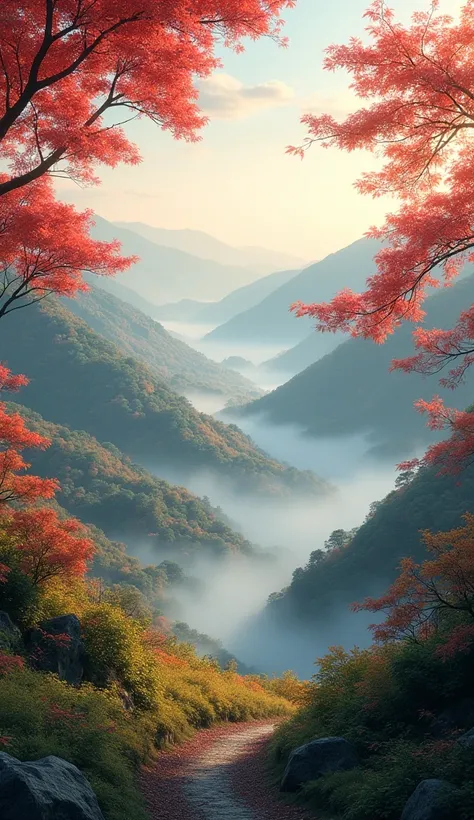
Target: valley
{"type": "Point", "coordinates": [236, 411]}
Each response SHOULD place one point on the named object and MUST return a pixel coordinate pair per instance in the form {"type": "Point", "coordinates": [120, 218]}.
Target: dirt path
{"type": "Point", "coordinates": [219, 775]}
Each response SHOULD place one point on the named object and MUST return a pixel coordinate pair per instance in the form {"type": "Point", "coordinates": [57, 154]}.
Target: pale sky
{"type": "Point", "coordinates": [238, 184]}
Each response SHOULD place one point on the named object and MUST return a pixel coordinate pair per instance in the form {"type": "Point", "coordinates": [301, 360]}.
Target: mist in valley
{"type": "Point", "coordinates": [230, 597]}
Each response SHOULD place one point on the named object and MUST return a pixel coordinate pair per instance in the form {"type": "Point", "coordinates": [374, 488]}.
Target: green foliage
{"type": "Point", "coordinates": [351, 390]}
{"type": "Point", "coordinates": [137, 335]}
{"type": "Point", "coordinates": [40, 715]}
{"type": "Point", "coordinates": [116, 651]}
{"type": "Point", "coordinates": [103, 487]}
{"type": "Point", "coordinates": [80, 379]}
{"type": "Point", "coordinates": [387, 701]}
{"type": "Point", "coordinates": [370, 559]}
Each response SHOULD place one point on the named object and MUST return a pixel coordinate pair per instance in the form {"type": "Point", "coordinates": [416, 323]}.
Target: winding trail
{"type": "Point", "coordinates": [218, 775]}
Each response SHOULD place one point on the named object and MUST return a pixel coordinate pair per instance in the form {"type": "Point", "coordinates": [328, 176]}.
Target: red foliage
{"type": "Point", "coordinates": [49, 547]}
{"type": "Point", "coordinates": [10, 662]}
{"type": "Point", "coordinates": [14, 438]}
{"type": "Point", "coordinates": [45, 248]}
{"type": "Point", "coordinates": [443, 583]}
{"type": "Point", "coordinates": [417, 83]}
{"type": "Point", "coordinates": [64, 64]}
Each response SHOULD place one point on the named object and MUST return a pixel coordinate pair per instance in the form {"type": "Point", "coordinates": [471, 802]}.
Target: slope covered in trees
{"type": "Point", "coordinates": [351, 390]}
{"type": "Point", "coordinates": [99, 485]}
{"type": "Point", "coordinates": [271, 321]}
{"type": "Point", "coordinates": [83, 381]}
{"type": "Point", "coordinates": [165, 274]}
{"type": "Point", "coordinates": [135, 334]}
{"type": "Point", "coordinates": [369, 560]}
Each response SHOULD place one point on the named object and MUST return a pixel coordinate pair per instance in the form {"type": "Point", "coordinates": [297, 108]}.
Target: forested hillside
{"type": "Point", "coordinates": [81, 380]}
{"type": "Point", "coordinates": [271, 322]}
{"type": "Point", "coordinates": [371, 559]}
{"type": "Point", "coordinates": [101, 486]}
{"type": "Point", "coordinates": [352, 390]}
{"type": "Point", "coordinates": [135, 334]}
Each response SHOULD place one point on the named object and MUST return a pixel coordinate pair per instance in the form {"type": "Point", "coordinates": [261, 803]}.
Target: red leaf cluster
{"type": "Point", "coordinates": [417, 84]}
{"type": "Point", "coordinates": [422, 592]}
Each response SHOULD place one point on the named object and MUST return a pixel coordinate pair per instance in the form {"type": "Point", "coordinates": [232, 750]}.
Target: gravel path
{"type": "Point", "coordinates": [219, 775]}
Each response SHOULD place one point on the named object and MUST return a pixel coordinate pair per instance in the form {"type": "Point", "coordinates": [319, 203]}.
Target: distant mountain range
{"type": "Point", "coordinates": [204, 246]}
{"type": "Point", "coordinates": [270, 321]}
{"type": "Point", "coordinates": [165, 274]}
{"type": "Point", "coordinates": [218, 312]}
{"type": "Point", "coordinates": [351, 390]}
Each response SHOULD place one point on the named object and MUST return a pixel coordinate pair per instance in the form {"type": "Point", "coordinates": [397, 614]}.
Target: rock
{"type": "Point", "coordinates": [459, 715]}
{"type": "Point", "coordinates": [56, 646]}
{"type": "Point", "coordinates": [467, 739]}
{"type": "Point", "coordinates": [427, 803]}
{"type": "Point", "coordinates": [47, 789]}
{"type": "Point", "coordinates": [323, 756]}
{"type": "Point", "coordinates": [10, 635]}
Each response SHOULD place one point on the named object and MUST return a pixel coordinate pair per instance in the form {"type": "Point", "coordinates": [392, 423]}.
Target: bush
{"type": "Point", "coordinates": [40, 715]}
{"type": "Point", "coordinates": [384, 700]}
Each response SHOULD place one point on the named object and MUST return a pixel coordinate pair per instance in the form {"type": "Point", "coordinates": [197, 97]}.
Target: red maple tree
{"type": "Point", "coordinates": [423, 593]}
{"type": "Point", "coordinates": [72, 73]}
{"type": "Point", "coordinates": [49, 547]}
{"type": "Point", "coordinates": [417, 82]}
{"type": "Point", "coordinates": [14, 438]}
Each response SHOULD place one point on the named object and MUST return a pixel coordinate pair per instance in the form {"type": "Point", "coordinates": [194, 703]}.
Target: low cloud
{"type": "Point", "coordinates": [224, 97]}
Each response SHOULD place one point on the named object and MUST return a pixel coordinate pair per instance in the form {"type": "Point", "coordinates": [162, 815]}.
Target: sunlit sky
{"type": "Point", "coordinates": [238, 184]}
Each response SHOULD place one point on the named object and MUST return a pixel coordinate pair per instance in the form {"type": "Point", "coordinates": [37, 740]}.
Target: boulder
{"type": "Point", "coordinates": [56, 646]}
{"type": "Point", "coordinates": [467, 739]}
{"type": "Point", "coordinates": [47, 789]}
{"type": "Point", "coordinates": [315, 759]}
{"type": "Point", "coordinates": [10, 635]}
{"type": "Point", "coordinates": [431, 800]}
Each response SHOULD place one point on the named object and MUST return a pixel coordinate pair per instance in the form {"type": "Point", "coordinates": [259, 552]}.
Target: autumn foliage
{"type": "Point", "coordinates": [47, 546]}
{"type": "Point", "coordinates": [72, 73]}
{"type": "Point", "coordinates": [423, 593]}
{"type": "Point", "coordinates": [417, 83]}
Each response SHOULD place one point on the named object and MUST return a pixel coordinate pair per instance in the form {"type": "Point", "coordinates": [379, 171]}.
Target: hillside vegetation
{"type": "Point", "coordinates": [352, 390]}
{"type": "Point", "coordinates": [370, 559]}
{"type": "Point", "coordinates": [135, 334]}
{"type": "Point", "coordinates": [81, 380]}
{"type": "Point", "coordinates": [103, 487]}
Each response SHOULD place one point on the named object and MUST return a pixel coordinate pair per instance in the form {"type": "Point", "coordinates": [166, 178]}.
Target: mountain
{"type": "Point", "coordinates": [135, 334]}
{"type": "Point", "coordinates": [232, 304]}
{"type": "Point", "coordinates": [101, 486]}
{"type": "Point", "coordinates": [271, 322]}
{"type": "Point", "coordinates": [205, 246]}
{"type": "Point", "coordinates": [371, 559]}
{"type": "Point", "coordinates": [305, 353]}
{"type": "Point", "coordinates": [243, 298]}
{"type": "Point", "coordinates": [79, 379]}
{"type": "Point", "coordinates": [165, 274]}
{"type": "Point", "coordinates": [183, 311]}
{"type": "Point", "coordinates": [127, 295]}
{"type": "Point", "coordinates": [351, 390]}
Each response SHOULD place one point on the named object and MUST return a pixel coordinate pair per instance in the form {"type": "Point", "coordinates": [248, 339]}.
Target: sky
{"type": "Point", "coordinates": [237, 183]}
